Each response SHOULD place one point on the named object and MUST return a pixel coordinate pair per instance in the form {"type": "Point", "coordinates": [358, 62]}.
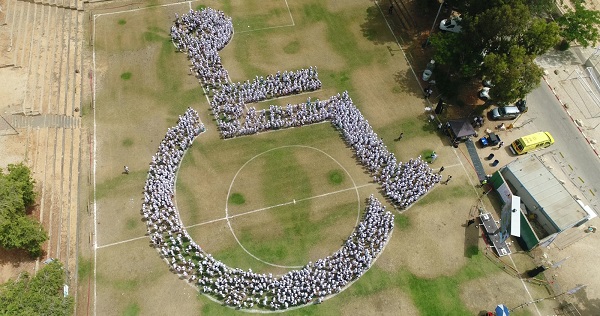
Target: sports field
{"type": "Point", "coordinates": [291, 196]}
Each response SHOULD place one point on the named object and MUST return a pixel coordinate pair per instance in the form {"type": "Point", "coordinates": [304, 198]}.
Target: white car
{"type": "Point", "coordinates": [484, 94]}
{"type": "Point", "coordinates": [451, 25]}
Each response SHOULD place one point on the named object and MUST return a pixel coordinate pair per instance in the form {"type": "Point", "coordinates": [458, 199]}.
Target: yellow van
{"type": "Point", "coordinates": [531, 142]}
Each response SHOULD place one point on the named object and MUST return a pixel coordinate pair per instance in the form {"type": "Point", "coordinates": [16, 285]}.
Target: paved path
{"type": "Point", "coordinates": [44, 120]}
{"type": "Point", "coordinates": [475, 159]}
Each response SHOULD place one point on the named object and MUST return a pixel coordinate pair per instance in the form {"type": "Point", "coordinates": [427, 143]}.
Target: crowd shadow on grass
{"type": "Point", "coordinates": [374, 28]}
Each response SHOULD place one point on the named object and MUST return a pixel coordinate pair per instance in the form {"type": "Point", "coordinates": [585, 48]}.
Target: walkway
{"type": "Point", "coordinates": [475, 159]}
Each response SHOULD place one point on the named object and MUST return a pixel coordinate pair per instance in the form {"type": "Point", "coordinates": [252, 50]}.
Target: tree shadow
{"type": "Point", "coordinates": [557, 58]}
{"type": "Point", "coordinates": [375, 28]}
{"type": "Point", "coordinates": [14, 257]}
{"type": "Point", "coordinates": [586, 305]}
{"type": "Point", "coordinates": [406, 84]}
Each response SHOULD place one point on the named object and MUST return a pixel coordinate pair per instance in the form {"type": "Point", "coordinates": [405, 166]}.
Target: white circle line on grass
{"type": "Point", "coordinates": [242, 214]}
{"type": "Point", "coordinates": [227, 217]}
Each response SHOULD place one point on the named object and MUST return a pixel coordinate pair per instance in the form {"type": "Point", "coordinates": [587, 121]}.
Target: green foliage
{"type": "Point", "coordinates": [122, 22]}
{"type": "Point", "coordinates": [20, 177]}
{"type": "Point", "coordinates": [514, 74]}
{"type": "Point", "coordinates": [22, 233]}
{"type": "Point", "coordinates": [126, 76]}
{"type": "Point", "coordinates": [41, 294]}
{"type": "Point", "coordinates": [497, 28]}
{"type": "Point", "coordinates": [580, 25]}
{"type": "Point", "coordinates": [16, 229]}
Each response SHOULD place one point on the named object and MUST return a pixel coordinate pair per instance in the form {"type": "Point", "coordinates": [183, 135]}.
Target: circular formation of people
{"type": "Point", "coordinates": [201, 34]}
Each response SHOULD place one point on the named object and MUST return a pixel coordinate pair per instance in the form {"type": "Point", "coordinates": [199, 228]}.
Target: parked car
{"type": "Point", "coordinates": [484, 93]}
{"type": "Point", "coordinates": [505, 113]}
{"type": "Point", "coordinates": [522, 105]}
{"type": "Point", "coordinates": [428, 70]}
{"type": "Point", "coordinates": [451, 25]}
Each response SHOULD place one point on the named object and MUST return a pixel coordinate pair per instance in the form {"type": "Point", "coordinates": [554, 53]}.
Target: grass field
{"type": "Point", "coordinates": [291, 195]}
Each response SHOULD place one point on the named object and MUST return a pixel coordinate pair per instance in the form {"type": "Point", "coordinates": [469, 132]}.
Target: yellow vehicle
{"type": "Point", "coordinates": [531, 142]}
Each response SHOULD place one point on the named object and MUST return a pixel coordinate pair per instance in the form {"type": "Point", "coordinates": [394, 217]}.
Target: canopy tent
{"type": "Point", "coordinates": [460, 129]}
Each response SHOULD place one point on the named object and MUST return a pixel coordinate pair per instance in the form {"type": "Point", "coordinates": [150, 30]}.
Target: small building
{"type": "Point", "coordinates": [547, 208]}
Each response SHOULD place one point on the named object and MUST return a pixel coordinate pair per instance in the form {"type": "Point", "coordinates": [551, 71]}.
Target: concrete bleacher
{"type": "Point", "coordinates": [47, 40]}
{"type": "Point", "coordinates": [47, 44]}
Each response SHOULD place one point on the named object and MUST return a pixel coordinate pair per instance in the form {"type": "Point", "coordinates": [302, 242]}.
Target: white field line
{"type": "Point", "coordinates": [524, 285]}
{"type": "Point", "coordinates": [245, 213]}
{"type": "Point", "coordinates": [140, 9]}
{"type": "Point", "coordinates": [95, 206]}
{"type": "Point", "coordinates": [274, 27]}
{"type": "Point", "coordinates": [400, 46]}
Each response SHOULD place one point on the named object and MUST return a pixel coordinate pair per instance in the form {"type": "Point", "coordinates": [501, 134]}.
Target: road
{"type": "Point", "coordinates": [570, 147]}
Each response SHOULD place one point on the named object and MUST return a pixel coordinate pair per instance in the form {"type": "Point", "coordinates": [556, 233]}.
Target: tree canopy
{"type": "Point", "coordinates": [505, 33]}
{"type": "Point", "coordinates": [580, 25]}
{"type": "Point", "coordinates": [17, 193]}
{"type": "Point", "coordinates": [41, 294]}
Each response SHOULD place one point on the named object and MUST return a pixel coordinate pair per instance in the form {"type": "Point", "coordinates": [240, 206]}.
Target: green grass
{"type": "Point", "coordinates": [127, 285]}
{"type": "Point", "coordinates": [126, 76]}
{"type": "Point", "coordinates": [132, 223]}
{"type": "Point", "coordinates": [401, 221]}
{"type": "Point", "coordinates": [300, 233]}
{"type": "Point", "coordinates": [132, 309]}
{"type": "Point", "coordinates": [200, 7]}
{"type": "Point", "coordinates": [122, 22]}
{"type": "Point", "coordinates": [285, 176]}
{"type": "Point", "coordinates": [439, 194]}
{"type": "Point", "coordinates": [237, 199]}
{"type": "Point", "coordinates": [335, 177]}
{"type": "Point", "coordinates": [127, 142]}
{"type": "Point", "coordinates": [292, 47]}
{"type": "Point", "coordinates": [84, 268]}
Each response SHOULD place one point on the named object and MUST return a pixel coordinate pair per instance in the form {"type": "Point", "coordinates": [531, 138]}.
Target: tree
{"type": "Point", "coordinates": [22, 181]}
{"type": "Point", "coordinates": [507, 31]}
{"type": "Point", "coordinates": [41, 294]}
{"type": "Point", "coordinates": [514, 74]}
{"type": "Point", "coordinates": [580, 25]}
{"type": "Point", "coordinates": [21, 232]}
{"type": "Point", "coordinates": [17, 230]}
{"type": "Point", "coordinates": [540, 36]}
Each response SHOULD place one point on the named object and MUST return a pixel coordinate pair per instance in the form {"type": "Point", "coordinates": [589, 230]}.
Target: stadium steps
{"type": "Point", "coordinates": [45, 79]}
{"type": "Point", "coordinates": [21, 29]}
{"type": "Point", "coordinates": [54, 66]}
{"type": "Point", "coordinates": [73, 199]}
{"type": "Point", "coordinates": [33, 57]}
{"type": "Point", "coordinates": [65, 4]}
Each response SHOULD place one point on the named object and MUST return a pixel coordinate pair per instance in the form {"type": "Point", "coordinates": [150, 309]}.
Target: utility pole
{"type": "Point", "coordinates": [434, 22]}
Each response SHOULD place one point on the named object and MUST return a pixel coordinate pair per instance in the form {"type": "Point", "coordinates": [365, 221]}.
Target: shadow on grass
{"type": "Point", "coordinates": [407, 83]}
{"type": "Point", "coordinates": [374, 28]}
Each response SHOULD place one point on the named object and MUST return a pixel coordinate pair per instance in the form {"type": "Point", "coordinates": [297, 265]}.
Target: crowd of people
{"type": "Point", "coordinates": [233, 286]}
{"type": "Point", "coordinates": [201, 34]}
{"type": "Point", "coordinates": [229, 102]}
